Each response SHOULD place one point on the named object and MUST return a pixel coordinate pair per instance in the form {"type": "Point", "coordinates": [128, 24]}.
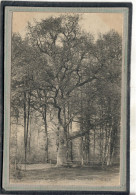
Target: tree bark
{"type": "Point", "coordinates": [16, 154]}
{"type": "Point", "coordinates": [69, 131]}
{"type": "Point", "coordinates": [46, 134]}
{"type": "Point", "coordinates": [62, 144]}
{"type": "Point", "coordinates": [29, 140]}
{"type": "Point", "coordinates": [26, 123]}
{"type": "Point", "coordinates": [82, 151]}
{"type": "Point", "coordinates": [47, 142]}
{"type": "Point", "coordinates": [45, 126]}
{"type": "Point", "coordinates": [25, 149]}
{"type": "Point", "coordinates": [62, 149]}
{"type": "Point", "coordinates": [71, 150]}
{"type": "Point", "coordinates": [87, 140]}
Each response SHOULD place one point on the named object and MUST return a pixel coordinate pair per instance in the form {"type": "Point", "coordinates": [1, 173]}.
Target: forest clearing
{"type": "Point", "coordinates": [49, 175]}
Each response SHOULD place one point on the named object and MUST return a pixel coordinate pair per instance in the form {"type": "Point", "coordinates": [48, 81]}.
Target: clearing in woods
{"type": "Point", "coordinates": [50, 174]}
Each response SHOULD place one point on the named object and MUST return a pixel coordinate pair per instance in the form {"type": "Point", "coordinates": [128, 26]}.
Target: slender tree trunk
{"type": "Point", "coordinates": [106, 143]}
{"type": "Point", "coordinates": [87, 138]}
{"type": "Point", "coordinates": [66, 130]}
{"type": "Point", "coordinates": [68, 142]}
{"type": "Point", "coordinates": [25, 128]}
{"type": "Point", "coordinates": [81, 130]}
{"type": "Point", "coordinates": [112, 141]}
{"type": "Point", "coordinates": [101, 159]}
{"type": "Point", "coordinates": [89, 150]}
{"type": "Point", "coordinates": [82, 142]}
{"type": "Point", "coordinates": [16, 154]}
{"type": "Point", "coordinates": [69, 131]}
{"type": "Point", "coordinates": [94, 144]}
{"type": "Point", "coordinates": [71, 150]}
{"type": "Point", "coordinates": [109, 149]}
{"type": "Point", "coordinates": [28, 117]}
{"type": "Point", "coordinates": [110, 135]}
{"type": "Point", "coordinates": [26, 123]}
{"type": "Point", "coordinates": [46, 133]}
{"type": "Point", "coordinates": [29, 141]}
{"type": "Point", "coordinates": [46, 128]}
{"type": "Point", "coordinates": [88, 147]}
{"type": "Point", "coordinates": [82, 151]}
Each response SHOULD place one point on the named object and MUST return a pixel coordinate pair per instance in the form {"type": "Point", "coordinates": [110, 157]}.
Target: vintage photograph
{"type": "Point", "coordinates": [67, 98]}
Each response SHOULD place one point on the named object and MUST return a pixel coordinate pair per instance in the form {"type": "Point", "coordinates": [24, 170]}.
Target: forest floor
{"type": "Point", "coordinates": [47, 174]}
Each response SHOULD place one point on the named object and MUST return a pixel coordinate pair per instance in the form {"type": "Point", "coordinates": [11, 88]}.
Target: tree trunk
{"type": "Point", "coordinates": [16, 154]}
{"type": "Point", "coordinates": [62, 143]}
{"type": "Point", "coordinates": [82, 151]}
{"type": "Point", "coordinates": [29, 141]}
{"type": "Point", "coordinates": [71, 150]}
{"type": "Point", "coordinates": [112, 141]}
{"type": "Point", "coordinates": [66, 130]}
{"type": "Point", "coordinates": [87, 140]}
{"type": "Point", "coordinates": [94, 142]}
{"type": "Point", "coordinates": [26, 123]}
{"type": "Point", "coordinates": [28, 117]}
{"type": "Point", "coordinates": [46, 134]}
{"type": "Point", "coordinates": [45, 126]}
{"type": "Point", "coordinates": [69, 129]}
{"type": "Point", "coordinates": [81, 130]}
{"type": "Point", "coordinates": [25, 129]}
{"type": "Point", "coordinates": [46, 147]}
{"type": "Point", "coordinates": [100, 146]}
{"type": "Point", "coordinates": [109, 149]}
{"type": "Point", "coordinates": [62, 149]}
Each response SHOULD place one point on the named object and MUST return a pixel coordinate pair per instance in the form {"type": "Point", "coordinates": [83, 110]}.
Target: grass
{"type": "Point", "coordinates": [50, 173]}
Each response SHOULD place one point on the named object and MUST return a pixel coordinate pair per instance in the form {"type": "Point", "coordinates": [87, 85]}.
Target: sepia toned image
{"type": "Point", "coordinates": [67, 103]}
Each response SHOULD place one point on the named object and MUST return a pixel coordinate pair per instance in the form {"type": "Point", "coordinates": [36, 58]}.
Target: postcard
{"type": "Point", "coordinates": [66, 98]}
